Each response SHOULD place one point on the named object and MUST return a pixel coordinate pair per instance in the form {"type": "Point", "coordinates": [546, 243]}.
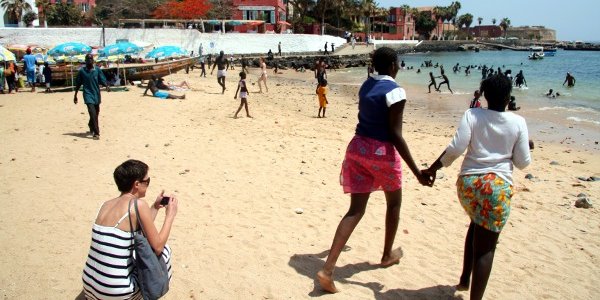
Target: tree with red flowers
{"type": "Point", "coordinates": [186, 9]}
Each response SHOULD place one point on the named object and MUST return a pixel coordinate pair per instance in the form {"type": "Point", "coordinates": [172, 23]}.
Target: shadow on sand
{"type": "Point", "coordinates": [81, 135]}
{"type": "Point", "coordinates": [309, 264]}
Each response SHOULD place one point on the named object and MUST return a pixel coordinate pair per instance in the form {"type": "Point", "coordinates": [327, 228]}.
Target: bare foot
{"type": "Point", "coordinates": [393, 258]}
{"type": "Point", "coordinates": [249, 116]}
{"type": "Point", "coordinates": [390, 261]}
{"type": "Point", "coordinates": [462, 287]}
{"type": "Point", "coordinates": [326, 282]}
{"type": "Point", "coordinates": [235, 117]}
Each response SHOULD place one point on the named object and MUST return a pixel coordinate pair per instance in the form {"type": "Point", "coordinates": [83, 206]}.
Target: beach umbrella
{"type": "Point", "coordinates": [70, 49]}
{"type": "Point", "coordinates": [120, 49]}
{"type": "Point", "coordinates": [234, 22]}
{"type": "Point", "coordinates": [6, 55]}
{"type": "Point", "coordinates": [166, 52]}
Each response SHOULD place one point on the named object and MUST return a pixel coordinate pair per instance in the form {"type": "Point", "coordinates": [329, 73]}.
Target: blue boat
{"type": "Point", "coordinates": [549, 51]}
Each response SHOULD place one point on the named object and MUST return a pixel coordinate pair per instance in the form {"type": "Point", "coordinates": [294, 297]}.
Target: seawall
{"type": "Point", "coordinates": [231, 43]}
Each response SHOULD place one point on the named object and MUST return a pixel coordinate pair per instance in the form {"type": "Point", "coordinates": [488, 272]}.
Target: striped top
{"type": "Point", "coordinates": [109, 271]}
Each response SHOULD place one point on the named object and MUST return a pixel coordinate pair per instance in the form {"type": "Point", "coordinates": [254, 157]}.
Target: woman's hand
{"type": "Point", "coordinates": [430, 175]}
{"type": "Point", "coordinates": [172, 207]}
{"type": "Point", "coordinates": [157, 204]}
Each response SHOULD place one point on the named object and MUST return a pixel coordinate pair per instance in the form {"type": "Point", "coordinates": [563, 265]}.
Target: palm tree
{"type": "Point", "coordinates": [440, 15]}
{"type": "Point", "coordinates": [42, 6]}
{"type": "Point", "coordinates": [467, 21]}
{"type": "Point", "coordinates": [505, 23]}
{"type": "Point", "coordinates": [494, 21]}
{"type": "Point", "coordinates": [15, 8]}
{"type": "Point", "coordinates": [479, 20]}
{"type": "Point", "coordinates": [367, 9]}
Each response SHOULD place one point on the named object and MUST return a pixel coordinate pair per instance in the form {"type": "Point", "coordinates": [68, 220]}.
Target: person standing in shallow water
{"type": "Point", "coordinates": [222, 64]}
{"type": "Point", "coordinates": [373, 161]}
{"type": "Point", "coordinates": [569, 80]}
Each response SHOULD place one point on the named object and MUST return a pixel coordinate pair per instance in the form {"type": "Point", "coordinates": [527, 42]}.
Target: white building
{"type": "Point", "coordinates": [5, 21]}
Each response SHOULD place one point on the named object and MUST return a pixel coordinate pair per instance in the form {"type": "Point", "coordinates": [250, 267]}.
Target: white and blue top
{"type": "Point", "coordinates": [376, 95]}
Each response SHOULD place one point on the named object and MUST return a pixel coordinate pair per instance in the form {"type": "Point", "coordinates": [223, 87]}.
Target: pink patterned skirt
{"type": "Point", "coordinates": [370, 165]}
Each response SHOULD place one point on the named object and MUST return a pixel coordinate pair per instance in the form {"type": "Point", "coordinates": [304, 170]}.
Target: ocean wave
{"type": "Point", "coordinates": [571, 109]}
{"type": "Point", "coordinates": [576, 119]}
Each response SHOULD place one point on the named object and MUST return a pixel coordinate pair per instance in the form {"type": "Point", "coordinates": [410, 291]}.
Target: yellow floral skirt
{"type": "Point", "coordinates": [486, 199]}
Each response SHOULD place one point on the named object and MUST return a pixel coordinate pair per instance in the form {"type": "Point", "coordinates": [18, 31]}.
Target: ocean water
{"type": "Point", "coordinates": [580, 104]}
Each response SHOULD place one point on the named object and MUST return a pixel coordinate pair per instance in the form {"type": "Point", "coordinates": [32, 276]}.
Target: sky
{"type": "Point", "coordinates": [572, 19]}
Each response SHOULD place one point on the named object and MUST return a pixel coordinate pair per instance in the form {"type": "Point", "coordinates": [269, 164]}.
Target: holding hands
{"type": "Point", "coordinates": [426, 178]}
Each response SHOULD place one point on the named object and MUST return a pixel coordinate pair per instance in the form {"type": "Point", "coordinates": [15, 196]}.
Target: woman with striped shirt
{"type": "Point", "coordinates": [109, 271]}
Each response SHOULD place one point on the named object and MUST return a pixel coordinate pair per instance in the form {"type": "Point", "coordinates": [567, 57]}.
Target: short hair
{"type": "Point", "coordinates": [496, 89]}
{"type": "Point", "coordinates": [128, 172]}
{"type": "Point", "coordinates": [28, 51]}
{"type": "Point", "coordinates": [323, 82]}
{"type": "Point", "coordinates": [383, 58]}
{"type": "Point", "coordinates": [243, 75]}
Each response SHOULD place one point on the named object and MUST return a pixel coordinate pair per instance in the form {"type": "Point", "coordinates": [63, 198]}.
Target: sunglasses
{"type": "Point", "coordinates": [147, 181]}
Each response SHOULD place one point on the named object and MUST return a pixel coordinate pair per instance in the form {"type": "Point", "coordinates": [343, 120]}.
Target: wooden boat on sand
{"type": "Point", "coordinates": [140, 71]}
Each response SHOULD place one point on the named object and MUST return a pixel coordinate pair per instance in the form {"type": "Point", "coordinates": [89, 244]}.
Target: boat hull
{"type": "Point", "coordinates": [130, 71]}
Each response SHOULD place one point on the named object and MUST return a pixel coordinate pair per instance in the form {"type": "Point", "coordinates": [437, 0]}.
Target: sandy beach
{"type": "Point", "coordinates": [240, 181]}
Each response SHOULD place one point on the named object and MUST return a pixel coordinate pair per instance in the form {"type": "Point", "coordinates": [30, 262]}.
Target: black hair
{"type": "Point", "coordinates": [496, 89]}
{"type": "Point", "coordinates": [323, 82]}
{"type": "Point", "coordinates": [128, 172]}
{"type": "Point", "coordinates": [383, 58]}
{"type": "Point", "coordinates": [243, 75]}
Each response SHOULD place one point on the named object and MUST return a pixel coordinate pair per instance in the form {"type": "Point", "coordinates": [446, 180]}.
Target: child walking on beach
{"type": "Point", "coordinates": [372, 160]}
{"type": "Point", "coordinates": [243, 95]}
{"type": "Point", "coordinates": [495, 140]}
{"type": "Point", "coordinates": [322, 92]}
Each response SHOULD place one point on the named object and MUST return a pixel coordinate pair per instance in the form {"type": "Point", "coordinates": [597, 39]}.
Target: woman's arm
{"type": "Point", "coordinates": [521, 156]}
{"type": "Point", "coordinates": [395, 123]}
{"type": "Point", "coordinates": [157, 239]}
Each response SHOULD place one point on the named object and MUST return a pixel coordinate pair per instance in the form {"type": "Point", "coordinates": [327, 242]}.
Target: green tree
{"type": "Point", "coordinates": [110, 11]}
{"type": "Point", "coordinates": [424, 24]}
{"type": "Point", "coordinates": [29, 17]}
{"type": "Point", "coordinates": [15, 8]}
{"type": "Point", "coordinates": [479, 20]}
{"type": "Point", "coordinates": [221, 9]}
{"type": "Point", "coordinates": [505, 23]}
{"type": "Point", "coordinates": [62, 14]}
{"type": "Point", "coordinates": [42, 6]}
{"type": "Point", "coordinates": [321, 9]}
{"type": "Point", "coordinates": [494, 21]}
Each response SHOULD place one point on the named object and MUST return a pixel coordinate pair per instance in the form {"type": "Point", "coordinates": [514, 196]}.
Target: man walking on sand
{"type": "Point", "coordinates": [223, 64]}
{"type": "Point", "coordinates": [91, 77]}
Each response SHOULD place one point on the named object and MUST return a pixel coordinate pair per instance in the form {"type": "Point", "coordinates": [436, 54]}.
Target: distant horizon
{"type": "Point", "coordinates": [572, 21]}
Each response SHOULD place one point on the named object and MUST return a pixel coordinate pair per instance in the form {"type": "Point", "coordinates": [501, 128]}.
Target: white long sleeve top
{"type": "Point", "coordinates": [495, 141]}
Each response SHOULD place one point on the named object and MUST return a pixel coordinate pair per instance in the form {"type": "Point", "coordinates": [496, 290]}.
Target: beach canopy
{"type": "Point", "coordinates": [70, 49]}
{"type": "Point", "coordinates": [6, 55]}
{"type": "Point", "coordinates": [166, 52]}
{"type": "Point", "coordinates": [122, 48]}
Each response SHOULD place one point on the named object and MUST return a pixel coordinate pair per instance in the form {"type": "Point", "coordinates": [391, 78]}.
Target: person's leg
{"type": "Point", "coordinates": [259, 80]}
{"type": "Point", "coordinates": [392, 218]}
{"type": "Point", "coordinates": [324, 109]}
{"type": "Point", "coordinates": [358, 204]}
{"type": "Point", "coordinates": [239, 108]}
{"type": "Point", "coordinates": [430, 86]}
{"type": "Point", "coordinates": [93, 111]}
{"type": "Point", "coordinates": [246, 106]}
{"type": "Point", "coordinates": [451, 92]}
{"type": "Point", "coordinates": [320, 109]}
{"type": "Point", "coordinates": [222, 83]}
{"type": "Point", "coordinates": [484, 247]}
{"type": "Point", "coordinates": [465, 277]}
